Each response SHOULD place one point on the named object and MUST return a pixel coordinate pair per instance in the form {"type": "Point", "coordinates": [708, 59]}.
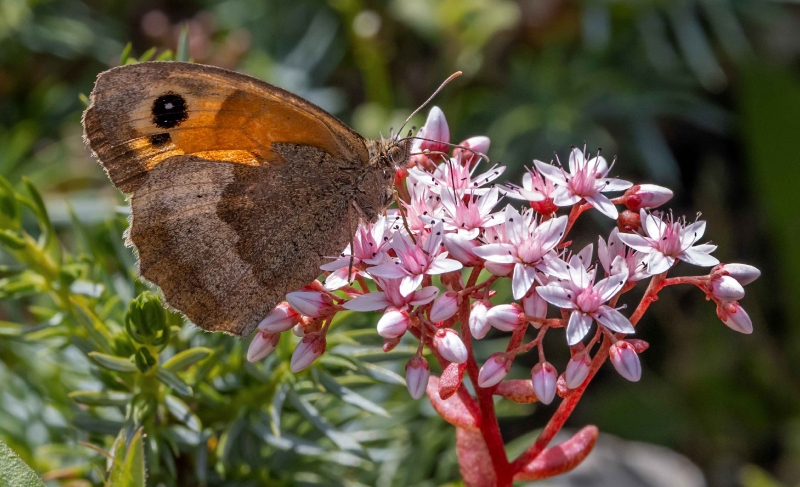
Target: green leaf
{"type": "Point", "coordinates": [101, 398]}
{"type": "Point", "coordinates": [186, 359]}
{"type": "Point", "coordinates": [166, 56]}
{"type": "Point", "coordinates": [343, 440]}
{"type": "Point", "coordinates": [128, 470]}
{"type": "Point", "coordinates": [10, 239]}
{"type": "Point", "coordinates": [182, 413]}
{"type": "Point", "coordinates": [182, 53]}
{"type": "Point", "coordinates": [147, 55]}
{"type": "Point", "coordinates": [123, 59]}
{"type": "Point", "coordinates": [48, 238]}
{"type": "Point", "coordinates": [14, 472]}
{"type": "Point", "coordinates": [173, 381]}
{"type": "Point", "coordinates": [8, 329]}
{"type": "Point", "coordinates": [380, 374]}
{"type": "Point", "coordinates": [347, 395]}
{"type": "Point", "coordinates": [113, 363]}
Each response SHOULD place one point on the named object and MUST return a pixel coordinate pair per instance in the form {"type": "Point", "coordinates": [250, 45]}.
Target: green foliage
{"type": "Point", "coordinates": [14, 472]}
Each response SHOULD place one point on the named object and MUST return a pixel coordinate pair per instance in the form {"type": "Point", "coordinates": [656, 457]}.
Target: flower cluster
{"type": "Point", "coordinates": [453, 223]}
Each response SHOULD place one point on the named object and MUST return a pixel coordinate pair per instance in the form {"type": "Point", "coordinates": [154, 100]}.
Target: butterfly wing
{"type": "Point", "coordinates": [241, 200]}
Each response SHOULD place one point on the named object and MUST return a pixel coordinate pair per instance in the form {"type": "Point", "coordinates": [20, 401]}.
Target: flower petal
{"type": "Point", "coordinates": [557, 296]}
{"type": "Point", "coordinates": [553, 173]}
{"type": "Point", "coordinates": [523, 279]}
{"type": "Point", "coordinates": [367, 302]}
{"type": "Point", "coordinates": [441, 265]}
{"type": "Point", "coordinates": [603, 205]}
{"type": "Point", "coordinates": [613, 320]}
{"type": "Point", "coordinates": [500, 253]}
{"type": "Point", "coordinates": [389, 271]}
{"type": "Point", "coordinates": [698, 257]}
{"type": "Point", "coordinates": [409, 284]}
{"type": "Point", "coordinates": [577, 327]}
{"type": "Point", "coordinates": [636, 241]}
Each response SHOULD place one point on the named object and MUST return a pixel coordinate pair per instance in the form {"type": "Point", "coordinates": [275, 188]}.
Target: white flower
{"type": "Point", "coordinates": [633, 260]}
{"type": "Point", "coordinates": [586, 180]}
{"type": "Point", "coordinates": [586, 300]}
{"type": "Point", "coordinates": [530, 248]}
{"type": "Point", "coordinates": [668, 241]}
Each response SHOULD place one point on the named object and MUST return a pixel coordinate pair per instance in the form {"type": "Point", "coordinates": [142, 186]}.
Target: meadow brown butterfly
{"type": "Point", "coordinates": [239, 189]}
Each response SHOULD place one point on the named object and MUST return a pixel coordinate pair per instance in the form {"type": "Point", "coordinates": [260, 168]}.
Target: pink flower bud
{"type": "Point", "coordinates": [478, 324]}
{"type": "Point", "coordinates": [493, 371]}
{"type": "Point", "coordinates": [626, 361]}
{"type": "Point", "coordinates": [450, 346]}
{"type": "Point", "coordinates": [506, 317]}
{"type": "Point", "coordinates": [544, 377]}
{"type": "Point", "coordinates": [393, 323]}
{"type": "Point", "coordinates": [726, 288]}
{"type": "Point", "coordinates": [299, 330]}
{"type": "Point", "coordinates": [417, 374]}
{"type": "Point", "coordinates": [279, 319]}
{"type": "Point", "coordinates": [577, 370]}
{"type": "Point", "coordinates": [534, 306]}
{"type": "Point", "coordinates": [436, 129]}
{"type": "Point", "coordinates": [743, 273]}
{"type": "Point", "coordinates": [629, 221]}
{"type": "Point", "coordinates": [478, 143]}
{"type": "Point", "coordinates": [444, 307]}
{"type": "Point", "coordinates": [646, 196]}
{"type": "Point", "coordinates": [262, 345]}
{"type": "Point", "coordinates": [390, 343]}
{"type": "Point", "coordinates": [460, 248]}
{"type": "Point", "coordinates": [310, 347]}
{"type": "Point", "coordinates": [735, 317]}
{"type": "Point", "coordinates": [311, 303]}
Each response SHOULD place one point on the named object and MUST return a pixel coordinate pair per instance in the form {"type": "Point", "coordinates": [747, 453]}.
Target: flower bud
{"type": "Point", "coordinates": [646, 196]}
{"type": "Point", "coordinates": [144, 360]}
{"type": "Point", "coordinates": [282, 318]}
{"type": "Point", "coordinates": [146, 321]}
{"type": "Point", "coordinates": [577, 370]}
{"type": "Point", "coordinates": [479, 143]}
{"type": "Point", "coordinates": [450, 346]}
{"type": "Point", "coordinates": [444, 307]}
{"type": "Point", "coordinates": [534, 306]}
{"type": "Point", "coordinates": [460, 248]}
{"type": "Point", "coordinates": [743, 273]}
{"type": "Point", "coordinates": [629, 221]}
{"type": "Point", "coordinates": [494, 370]}
{"type": "Point", "coordinates": [735, 317]}
{"type": "Point", "coordinates": [436, 129]}
{"type": "Point", "coordinates": [310, 347]}
{"type": "Point", "coordinates": [393, 323]}
{"type": "Point", "coordinates": [506, 317]}
{"type": "Point", "coordinates": [478, 324]}
{"type": "Point", "coordinates": [626, 361]}
{"type": "Point", "coordinates": [262, 345]}
{"type": "Point", "coordinates": [299, 330]}
{"type": "Point", "coordinates": [311, 303]}
{"type": "Point", "coordinates": [544, 377]}
{"type": "Point", "coordinates": [390, 343]}
{"type": "Point", "coordinates": [417, 374]}
{"type": "Point", "coordinates": [726, 288]}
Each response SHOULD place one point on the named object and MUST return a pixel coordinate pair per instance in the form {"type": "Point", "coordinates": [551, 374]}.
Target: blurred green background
{"type": "Point", "coordinates": [702, 96]}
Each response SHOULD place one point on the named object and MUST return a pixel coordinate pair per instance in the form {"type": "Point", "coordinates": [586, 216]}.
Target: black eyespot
{"type": "Point", "coordinates": [169, 110]}
{"type": "Point", "coordinates": [160, 139]}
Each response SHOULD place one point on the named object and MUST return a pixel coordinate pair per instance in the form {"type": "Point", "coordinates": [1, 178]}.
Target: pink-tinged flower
{"type": "Point", "coordinates": [461, 249]}
{"type": "Point", "coordinates": [743, 273]}
{"type": "Point", "coordinates": [735, 317]}
{"type": "Point", "coordinates": [262, 345]}
{"type": "Point", "coordinates": [393, 323]}
{"type": "Point", "coordinates": [497, 235]}
{"type": "Point", "coordinates": [479, 143]}
{"type": "Point", "coordinates": [631, 259]}
{"type": "Point", "coordinates": [586, 299]}
{"type": "Point", "coordinates": [726, 288]}
{"type": "Point", "coordinates": [417, 374]}
{"type": "Point", "coordinates": [311, 303]}
{"type": "Point", "coordinates": [544, 377]}
{"type": "Point", "coordinates": [467, 219]}
{"type": "Point", "coordinates": [646, 196]}
{"type": "Point", "coordinates": [424, 208]}
{"type": "Point", "coordinates": [281, 318]}
{"type": "Point", "coordinates": [538, 191]}
{"type": "Point", "coordinates": [452, 176]}
{"type": "Point", "coordinates": [370, 245]}
{"type": "Point", "coordinates": [534, 306]}
{"type": "Point", "coordinates": [506, 317]}
{"type": "Point", "coordinates": [436, 130]}
{"type": "Point", "coordinates": [450, 346]}
{"type": "Point", "coordinates": [444, 307]}
{"type": "Point", "coordinates": [308, 350]}
{"type": "Point", "coordinates": [494, 370]}
{"type": "Point", "coordinates": [416, 260]}
{"type": "Point", "coordinates": [586, 180]}
{"type": "Point", "coordinates": [391, 296]}
{"type": "Point", "coordinates": [478, 321]}
{"type": "Point", "coordinates": [530, 248]}
{"type": "Point", "coordinates": [668, 241]}
{"type": "Point", "coordinates": [577, 370]}
{"type": "Point", "coordinates": [626, 361]}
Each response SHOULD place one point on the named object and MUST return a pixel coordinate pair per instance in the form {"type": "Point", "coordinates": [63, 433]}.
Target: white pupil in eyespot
{"type": "Point", "coordinates": [168, 106]}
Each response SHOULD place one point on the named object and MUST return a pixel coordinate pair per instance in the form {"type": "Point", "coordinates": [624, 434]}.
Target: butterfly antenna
{"type": "Point", "coordinates": [477, 153]}
{"type": "Point", "coordinates": [449, 79]}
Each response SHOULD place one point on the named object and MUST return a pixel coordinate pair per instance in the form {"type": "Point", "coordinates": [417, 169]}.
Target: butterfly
{"type": "Point", "coordinates": [239, 190]}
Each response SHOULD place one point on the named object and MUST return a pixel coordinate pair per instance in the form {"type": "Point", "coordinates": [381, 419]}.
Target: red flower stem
{"type": "Point", "coordinates": [490, 428]}
{"type": "Point", "coordinates": [562, 413]}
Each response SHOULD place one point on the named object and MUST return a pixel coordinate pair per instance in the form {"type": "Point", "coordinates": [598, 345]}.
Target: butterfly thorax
{"type": "Point", "coordinates": [375, 186]}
